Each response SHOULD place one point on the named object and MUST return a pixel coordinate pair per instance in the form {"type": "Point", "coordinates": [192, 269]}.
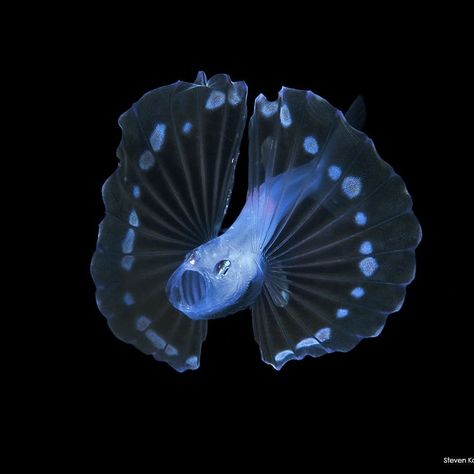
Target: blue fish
{"type": "Point", "coordinates": [321, 252]}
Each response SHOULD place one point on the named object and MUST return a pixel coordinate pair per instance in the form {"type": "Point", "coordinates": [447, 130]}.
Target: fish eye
{"type": "Point", "coordinates": [222, 268]}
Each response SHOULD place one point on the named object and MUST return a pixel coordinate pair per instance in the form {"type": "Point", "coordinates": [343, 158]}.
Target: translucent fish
{"type": "Point", "coordinates": [321, 252]}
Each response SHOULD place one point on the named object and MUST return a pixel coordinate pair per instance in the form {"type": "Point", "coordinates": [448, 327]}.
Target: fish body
{"type": "Point", "coordinates": [321, 252]}
{"type": "Point", "coordinates": [199, 289]}
{"type": "Point", "coordinates": [218, 278]}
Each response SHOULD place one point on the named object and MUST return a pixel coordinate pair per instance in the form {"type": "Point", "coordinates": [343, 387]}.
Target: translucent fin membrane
{"type": "Point", "coordinates": [169, 194]}
{"type": "Point", "coordinates": [335, 225]}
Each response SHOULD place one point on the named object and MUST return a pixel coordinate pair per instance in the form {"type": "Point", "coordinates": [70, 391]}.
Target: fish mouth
{"type": "Point", "coordinates": [191, 289]}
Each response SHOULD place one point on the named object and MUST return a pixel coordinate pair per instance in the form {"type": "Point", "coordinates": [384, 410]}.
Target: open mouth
{"type": "Point", "coordinates": [191, 289]}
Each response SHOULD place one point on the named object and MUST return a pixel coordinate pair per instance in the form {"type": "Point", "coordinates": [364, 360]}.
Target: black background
{"type": "Point", "coordinates": [411, 383]}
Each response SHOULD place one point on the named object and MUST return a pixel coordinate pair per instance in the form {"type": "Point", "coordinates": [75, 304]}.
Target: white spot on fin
{"type": "Point", "coordinates": [358, 292]}
{"type": "Point", "coordinates": [285, 116]}
{"type": "Point", "coordinates": [215, 100]}
{"type": "Point", "coordinates": [155, 339]}
{"type": "Point", "coordinates": [157, 138]}
{"type": "Point", "coordinates": [310, 341]}
{"type": "Point", "coordinates": [192, 361]}
{"type": "Point", "coordinates": [136, 192]}
{"type": "Point", "coordinates": [269, 108]}
{"type": "Point", "coordinates": [234, 97]}
{"type": "Point", "coordinates": [368, 266]}
{"type": "Point", "coordinates": [142, 323]}
{"type": "Point", "coordinates": [352, 186]}
{"type": "Point", "coordinates": [128, 241]}
{"type": "Point", "coordinates": [283, 301]}
{"type": "Point", "coordinates": [127, 262]}
{"type": "Point", "coordinates": [171, 350]}
{"type": "Point", "coordinates": [133, 219]}
{"type": "Point", "coordinates": [365, 248]}
{"type": "Point", "coordinates": [187, 127]}
{"type": "Point", "coordinates": [342, 313]}
{"type": "Point", "coordinates": [311, 145]}
{"type": "Point", "coordinates": [146, 160]}
{"type": "Point", "coordinates": [128, 299]}
{"type": "Point", "coordinates": [334, 172]}
{"type": "Point", "coordinates": [283, 354]}
{"type": "Point", "coordinates": [360, 218]}
{"type": "Point", "coordinates": [323, 334]}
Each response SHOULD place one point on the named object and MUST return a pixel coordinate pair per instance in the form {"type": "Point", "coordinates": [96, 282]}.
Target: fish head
{"type": "Point", "coordinates": [214, 280]}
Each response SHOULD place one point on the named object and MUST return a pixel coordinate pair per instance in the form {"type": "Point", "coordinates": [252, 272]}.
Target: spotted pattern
{"type": "Point", "coordinates": [342, 313]}
{"type": "Point", "coordinates": [128, 241]}
{"type": "Point", "coordinates": [360, 218]}
{"type": "Point", "coordinates": [215, 100]}
{"type": "Point", "coordinates": [310, 144]}
{"type": "Point", "coordinates": [323, 334]}
{"type": "Point", "coordinates": [146, 161]}
{"type": "Point", "coordinates": [368, 266]}
{"type": "Point", "coordinates": [358, 292]}
{"type": "Point", "coordinates": [351, 186]}
{"type": "Point", "coordinates": [334, 172]}
{"type": "Point", "coordinates": [157, 138]}
{"type": "Point", "coordinates": [285, 116]}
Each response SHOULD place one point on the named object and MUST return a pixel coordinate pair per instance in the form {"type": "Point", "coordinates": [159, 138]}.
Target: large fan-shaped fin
{"type": "Point", "coordinates": [177, 159]}
{"type": "Point", "coordinates": [335, 227]}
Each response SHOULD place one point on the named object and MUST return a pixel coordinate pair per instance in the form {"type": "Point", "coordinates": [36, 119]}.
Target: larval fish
{"type": "Point", "coordinates": [321, 252]}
